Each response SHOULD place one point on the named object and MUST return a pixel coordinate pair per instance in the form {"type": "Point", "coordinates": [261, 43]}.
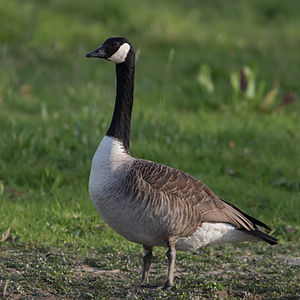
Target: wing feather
{"type": "Point", "coordinates": [185, 189]}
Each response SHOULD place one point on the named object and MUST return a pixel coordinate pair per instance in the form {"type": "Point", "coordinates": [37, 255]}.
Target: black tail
{"type": "Point", "coordinates": [263, 236]}
{"type": "Point", "coordinates": [257, 232]}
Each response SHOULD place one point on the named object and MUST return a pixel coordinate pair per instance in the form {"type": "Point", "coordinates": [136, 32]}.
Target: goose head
{"type": "Point", "coordinates": [115, 49]}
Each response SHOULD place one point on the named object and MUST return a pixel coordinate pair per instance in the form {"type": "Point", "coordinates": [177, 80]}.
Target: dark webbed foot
{"type": "Point", "coordinates": [167, 285]}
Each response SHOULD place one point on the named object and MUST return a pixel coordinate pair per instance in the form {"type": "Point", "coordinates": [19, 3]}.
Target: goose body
{"type": "Point", "coordinates": [143, 213]}
{"type": "Point", "coordinates": [150, 203]}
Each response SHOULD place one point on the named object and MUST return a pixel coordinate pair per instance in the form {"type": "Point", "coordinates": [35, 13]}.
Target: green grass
{"type": "Point", "coordinates": [55, 107]}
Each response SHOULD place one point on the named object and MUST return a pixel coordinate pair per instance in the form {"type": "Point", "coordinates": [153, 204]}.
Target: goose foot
{"type": "Point", "coordinates": [167, 286]}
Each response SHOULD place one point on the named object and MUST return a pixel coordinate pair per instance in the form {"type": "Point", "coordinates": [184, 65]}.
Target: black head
{"type": "Point", "coordinates": [115, 49]}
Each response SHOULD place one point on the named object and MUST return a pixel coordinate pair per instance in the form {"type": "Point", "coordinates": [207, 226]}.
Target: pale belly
{"type": "Point", "coordinates": [131, 223]}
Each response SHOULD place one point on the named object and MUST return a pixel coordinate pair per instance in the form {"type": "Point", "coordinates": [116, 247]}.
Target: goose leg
{"type": "Point", "coordinates": [147, 263]}
{"type": "Point", "coordinates": [171, 254]}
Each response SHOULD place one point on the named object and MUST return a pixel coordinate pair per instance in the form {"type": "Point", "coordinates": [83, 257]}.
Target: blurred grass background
{"type": "Point", "coordinates": [189, 110]}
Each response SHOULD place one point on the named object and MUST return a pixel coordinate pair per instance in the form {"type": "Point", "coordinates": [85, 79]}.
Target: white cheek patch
{"type": "Point", "coordinates": [120, 56]}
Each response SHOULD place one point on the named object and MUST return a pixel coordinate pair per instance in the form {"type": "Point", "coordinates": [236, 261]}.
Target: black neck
{"type": "Point", "coordinates": [121, 120]}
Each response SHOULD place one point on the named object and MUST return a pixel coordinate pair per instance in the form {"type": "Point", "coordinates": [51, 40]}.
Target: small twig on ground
{"type": "Point", "coordinates": [4, 288]}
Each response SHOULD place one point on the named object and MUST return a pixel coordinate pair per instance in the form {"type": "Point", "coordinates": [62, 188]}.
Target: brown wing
{"type": "Point", "coordinates": [185, 188]}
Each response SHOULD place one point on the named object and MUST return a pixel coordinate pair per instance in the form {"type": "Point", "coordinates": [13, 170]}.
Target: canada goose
{"type": "Point", "coordinates": [149, 203]}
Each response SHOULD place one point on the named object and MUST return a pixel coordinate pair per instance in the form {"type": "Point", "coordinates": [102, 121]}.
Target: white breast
{"type": "Point", "coordinates": [213, 233]}
{"type": "Point", "coordinates": [107, 164]}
